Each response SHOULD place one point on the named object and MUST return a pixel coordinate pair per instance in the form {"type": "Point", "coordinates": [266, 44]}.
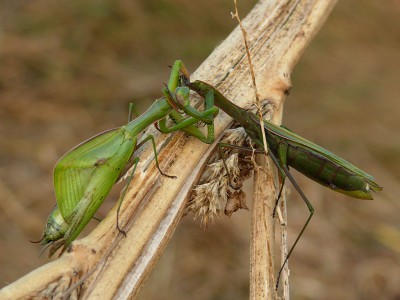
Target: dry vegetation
{"type": "Point", "coordinates": [69, 70]}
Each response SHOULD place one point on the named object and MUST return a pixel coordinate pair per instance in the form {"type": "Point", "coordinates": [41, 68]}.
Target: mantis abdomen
{"type": "Point", "coordinates": [327, 173]}
{"type": "Point", "coordinates": [320, 166]}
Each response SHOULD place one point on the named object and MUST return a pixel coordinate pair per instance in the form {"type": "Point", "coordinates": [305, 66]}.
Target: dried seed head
{"type": "Point", "coordinates": [207, 201]}
{"type": "Point", "coordinates": [214, 195]}
{"type": "Point", "coordinates": [208, 197]}
{"type": "Point", "coordinates": [234, 136]}
{"type": "Point", "coordinates": [236, 201]}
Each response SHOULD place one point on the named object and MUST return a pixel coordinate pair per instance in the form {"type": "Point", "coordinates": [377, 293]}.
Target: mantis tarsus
{"type": "Point", "coordinates": [85, 175]}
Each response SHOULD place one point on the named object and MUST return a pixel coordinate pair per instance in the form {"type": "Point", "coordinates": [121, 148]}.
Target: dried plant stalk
{"type": "Point", "coordinates": [278, 32]}
{"type": "Point", "coordinates": [262, 245]}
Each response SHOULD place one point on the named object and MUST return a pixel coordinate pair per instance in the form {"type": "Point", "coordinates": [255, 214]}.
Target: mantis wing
{"type": "Point", "coordinates": [89, 170]}
{"type": "Point", "coordinates": [291, 136]}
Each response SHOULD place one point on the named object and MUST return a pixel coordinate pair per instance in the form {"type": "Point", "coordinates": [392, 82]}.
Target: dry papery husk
{"type": "Point", "coordinates": [217, 192]}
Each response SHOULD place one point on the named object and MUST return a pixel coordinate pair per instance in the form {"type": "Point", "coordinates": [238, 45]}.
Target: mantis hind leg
{"type": "Point", "coordinates": [282, 168]}
{"type": "Point", "coordinates": [282, 184]}
{"type": "Point", "coordinates": [151, 138]}
{"type": "Point", "coordinates": [135, 161]}
{"type": "Point", "coordinates": [283, 173]}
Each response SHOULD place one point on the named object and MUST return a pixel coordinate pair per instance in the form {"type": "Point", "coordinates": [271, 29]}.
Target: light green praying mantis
{"type": "Point", "coordinates": [84, 176]}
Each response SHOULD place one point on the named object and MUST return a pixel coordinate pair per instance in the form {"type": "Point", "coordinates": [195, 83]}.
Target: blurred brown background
{"type": "Point", "coordinates": [68, 70]}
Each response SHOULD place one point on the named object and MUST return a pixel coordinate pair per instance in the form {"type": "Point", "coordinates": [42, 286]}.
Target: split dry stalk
{"type": "Point", "coordinates": [278, 33]}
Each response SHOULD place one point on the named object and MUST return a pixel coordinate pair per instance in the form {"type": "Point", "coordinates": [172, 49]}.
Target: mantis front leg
{"type": "Point", "coordinates": [178, 97]}
{"type": "Point", "coordinates": [187, 125]}
{"type": "Point", "coordinates": [177, 94]}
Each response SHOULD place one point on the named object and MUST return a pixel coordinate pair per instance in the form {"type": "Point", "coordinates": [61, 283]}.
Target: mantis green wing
{"type": "Point", "coordinates": [355, 176]}
{"type": "Point", "coordinates": [89, 171]}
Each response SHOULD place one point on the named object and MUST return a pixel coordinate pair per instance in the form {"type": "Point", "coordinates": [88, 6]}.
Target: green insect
{"type": "Point", "coordinates": [289, 149]}
{"type": "Point", "coordinates": [85, 175]}
{"type": "Point", "coordinates": [293, 150]}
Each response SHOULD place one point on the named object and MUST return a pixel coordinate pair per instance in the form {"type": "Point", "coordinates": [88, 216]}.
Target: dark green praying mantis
{"type": "Point", "coordinates": [289, 149]}
{"type": "Point", "coordinates": [85, 175]}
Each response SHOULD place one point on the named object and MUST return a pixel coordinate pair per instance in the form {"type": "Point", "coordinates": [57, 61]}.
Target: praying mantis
{"type": "Point", "coordinates": [84, 176]}
{"type": "Point", "coordinates": [289, 149]}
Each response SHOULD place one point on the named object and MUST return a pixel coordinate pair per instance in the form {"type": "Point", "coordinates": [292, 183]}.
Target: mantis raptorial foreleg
{"type": "Point", "coordinates": [177, 95]}
{"type": "Point", "coordinates": [186, 124]}
{"type": "Point", "coordinates": [181, 102]}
